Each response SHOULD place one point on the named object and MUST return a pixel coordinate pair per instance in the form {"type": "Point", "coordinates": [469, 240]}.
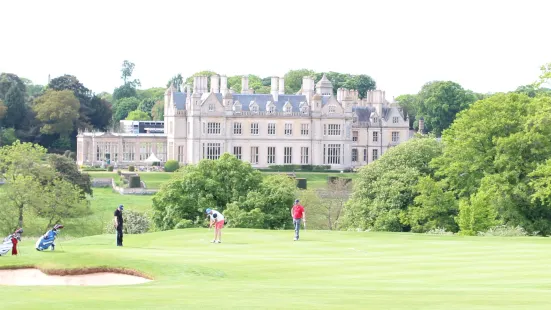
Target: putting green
{"type": "Point", "coordinates": [256, 269]}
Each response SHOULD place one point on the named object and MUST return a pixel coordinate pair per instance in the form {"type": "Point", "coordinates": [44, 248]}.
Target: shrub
{"type": "Point", "coordinates": [243, 219]}
{"type": "Point", "coordinates": [172, 165]}
{"type": "Point", "coordinates": [134, 181]}
{"type": "Point", "coordinates": [439, 231]}
{"type": "Point", "coordinates": [134, 223]}
{"type": "Point", "coordinates": [119, 172]}
{"type": "Point", "coordinates": [184, 224]}
{"type": "Point", "coordinates": [504, 231]}
{"type": "Point", "coordinates": [110, 168]}
{"type": "Point", "coordinates": [131, 168]}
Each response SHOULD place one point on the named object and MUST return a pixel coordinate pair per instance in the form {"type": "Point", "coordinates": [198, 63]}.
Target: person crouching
{"type": "Point", "coordinates": [216, 219]}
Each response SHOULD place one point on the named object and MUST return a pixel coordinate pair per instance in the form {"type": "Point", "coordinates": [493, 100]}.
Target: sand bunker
{"type": "Point", "coordinates": [33, 277]}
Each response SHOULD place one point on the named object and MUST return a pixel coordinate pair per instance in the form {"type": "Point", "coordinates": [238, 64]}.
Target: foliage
{"type": "Point", "coordinates": [127, 70]}
{"type": "Point", "coordinates": [440, 101]}
{"type": "Point", "coordinates": [58, 110]}
{"type": "Point", "coordinates": [433, 208]}
{"type": "Point", "coordinates": [103, 112]}
{"type": "Point", "coordinates": [299, 167]}
{"type": "Point", "coordinates": [410, 104]}
{"type": "Point", "coordinates": [172, 165]}
{"type": "Point", "coordinates": [134, 181]}
{"type": "Point", "coordinates": [384, 189]}
{"type": "Point", "coordinates": [545, 75]}
{"type": "Point", "coordinates": [439, 231]}
{"type": "Point", "coordinates": [504, 231]}
{"type": "Point", "coordinates": [131, 168]}
{"type": "Point", "coordinates": [325, 207]}
{"type": "Point", "coordinates": [7, 136]}
{"type": "Point", "coordinates": [67, 169]}
{"type": "Point", "coordinates": [244, 219]}
{"type": "Point", "coordinates": [293, 79]}
{"type": "Point", "coordinates": [134, 223]}
{"type": "Point", "coordinates": [476, 214]}
{"type": "Point", "coordinates": [123, 107]}
{"type": "Point", "coordinates": [146, 106]}
{"type": "Point", "coordinates": [138, 115]}
{"type": "Point", "coordinates": [16, 108]}
{"type": "Point", "coordinates": [158, 111]}
{"type": "Point", "coordinates": [217, 183]}
{"type": "Point", "coordinates": [124, 91]}
{"type": "Point", "coordinates": [3, 110]}
{"type": "Point", "coordinates": [183, 224]}
{"type": "Point", "coordinates": [177, 81]}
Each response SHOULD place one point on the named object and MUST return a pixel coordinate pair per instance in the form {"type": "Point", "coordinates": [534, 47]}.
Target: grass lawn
{"type": "Point", "coordinates": [155, 179]}
{"type": "Point", "coordinates": [256, 269]}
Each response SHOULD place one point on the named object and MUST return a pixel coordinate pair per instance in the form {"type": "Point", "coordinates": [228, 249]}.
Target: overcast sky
{"type": "Point", "coordinates": [486, 46]}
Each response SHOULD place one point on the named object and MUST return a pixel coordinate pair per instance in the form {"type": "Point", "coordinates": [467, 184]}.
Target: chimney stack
{"type": "Point", "coordinates": [215, 84]}
{"type": "Point", "coordinates": [223, 84]}
{"type": "Point", "coordinates": [274, 91]}
{"type": "Point", "coordinates": [244, 84]}
{"type": "Point", "coordinates": [281, 86]}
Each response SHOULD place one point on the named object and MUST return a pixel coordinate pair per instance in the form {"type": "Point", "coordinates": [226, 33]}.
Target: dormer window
{"type": "Point", "coordinates": [254, 109]}
{"type": "Point", "coordinates": [270, 107]}
{"type": "Point", "coordinates": [304, 109]}
{"type": "Point", "coordinates": [237, 107]}
{"type": "Point", "coordinates": [332, 109]}
{"type": "Point", "coordinates": [288, 109]}
{"type": "Point", "coordinates": [211, 107]}
{"type": "Point", "coordinates": [375, 120]}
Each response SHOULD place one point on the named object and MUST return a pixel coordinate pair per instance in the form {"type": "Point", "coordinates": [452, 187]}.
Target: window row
{"type": "Point", "coordinates": [214, 151]}
{"type": "Point", "coordinates": [215, 128]}
{"type": "Point", "coordinates": [374, 154]}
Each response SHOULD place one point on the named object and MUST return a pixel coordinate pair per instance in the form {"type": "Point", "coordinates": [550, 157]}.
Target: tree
{"type": "Point", "coordinates": [154, 93]}
{"type": "Point", "coordinates": [208, 73]}
{"type": "Point", "coordinates": [58, 110]}
{"type": "Point", "coordinates": [7, 136]}
{"type": "Point", "coordinates": [440, 101]}
{"type": "Point", "coordinates": [293, 79]}
{"type": "Point", "coordinates": [433, 208]}
{"type": "Point", "coordinates": [127, 70]}
{"type": "Point", "coordinates": [16, 108]}
{"type": "Point", "coordinates": [123, 107]}
{"type": "Point", "coordinates": [103, 113]}
{"type": "Point", "coordinates": [124, 91]}
{"type": "Point", "coordinates": [7, 80]}
{"type": "Point", "coordinates": [545, 75]}
{"type": "Point", "coordinates": [362, 83]}
{"type": "Point", "coordinates": [177, 80]}
{"type": "Point", "coordinates": [138, 115]}
{"type": "Point", "coordinates": [325, 206]}
{"type": "Point", "coordinates": [22, 169]}
{"type": "Point", "coordinates": [83, 94]}
{"type": "Point", "coordinates": [67, 170]}
{"type": "Point", "coordinates": [158, 111]}
{"type": "Point", "coordinates": [32, 89]}
{"type": "Point", "coordinates": [60, 200]}
{"type": "Point", "coordinates": [209, 184]}
{"type": "Point", "coordinates": [146, 106]}
{"type": "Point", "coordinates": [386, 187]}
{"type": "Point", "coordinates": [3, 110]}
{"type": "Point", "coordinates": [410, 104]}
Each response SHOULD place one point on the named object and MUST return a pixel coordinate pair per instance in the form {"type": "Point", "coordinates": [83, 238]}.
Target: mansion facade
{"type": "Point", "coordinates": [312, 127]}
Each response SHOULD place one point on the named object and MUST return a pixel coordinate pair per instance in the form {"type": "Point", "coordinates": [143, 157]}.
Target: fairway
{"type": "Point", "coordinates": [258, 269]}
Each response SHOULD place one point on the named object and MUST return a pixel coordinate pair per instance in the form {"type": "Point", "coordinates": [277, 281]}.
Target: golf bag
{"type": "Point", "coordinates": [10, 243]}
{"type": "Point", "coordinates": [47, 240]}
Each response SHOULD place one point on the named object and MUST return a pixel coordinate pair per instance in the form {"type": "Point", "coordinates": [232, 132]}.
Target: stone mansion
{"type": "Point", "coordinates": [312, 127]}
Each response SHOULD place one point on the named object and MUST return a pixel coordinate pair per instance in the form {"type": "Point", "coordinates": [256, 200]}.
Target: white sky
{"type": "Point", "coordinates": [486, 46]}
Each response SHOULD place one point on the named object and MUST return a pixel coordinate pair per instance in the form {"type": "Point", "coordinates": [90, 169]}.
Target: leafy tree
{"type": "Point", "coordinates": [240, 218]}
{"type": "Point", "coordinates": [124, 91]}
{"type": "Point", "coordinates": [545, 75]}
{"type": "Point", "coordinates": [293, 79]}
{"type": "Point", "coordinates": [16, 108]}
{"type": "Point", "coordinates": [60, 200]}
{"type": "Point", "coordinates": [7, 80]}
{"type": "Point", "coordinates": [158, 111]}
{"type": "Point", "coordinates": [58, 110]}
{"type": "Point", "coordinates": [68, 170]}
{"type": "Point", "coordinates": [138, 115]}
{"type": "Point", "coordinates": [274, 198]}
{"type": "Point", "coordinates": [177, 80]}
{"type": "Point", "coordinates": [532, 91]}
{"type": "Point", "coordinates": [22, 169]}
{"type": "Point", "coordinates": [3, 110]}
{"type": "Point", "coordinates": [385, 188]}
{"type": "Point", "coordinates": [325, 206]}
{"type": "Point", "coordinates": [146, 106]}
{"type": "Point", "coordinates": [123, 107]}
{"type": "Point", "coordinates": [362, 83]}
{"type": "Point", "coordinates": [255, 83]}
{"type": "Point", "coordinates": [433, 208]}
{"type": "Point", "coordinates": [32, 89]}
{"type": "Point", "coordinates": [103, 112]}
{"type": "Point", "coordinates": [105, 96]}
{"type": "Point", "coordinates": [127, 70]}
{"type": "Point", "coordinates": [7, 136]}
{"type": "Point", "coordinates": [209, 184]}
{"type": "Point", "coordinates": [83, 94]}
{"type": "Point", "coordinates": [154, 93]}
{"type": "Point", "coordinates": [208, 73]}
{"type": "Point", "coordinates": [410, 104]}
{"type": "Point", "coordinates": [440, 101]}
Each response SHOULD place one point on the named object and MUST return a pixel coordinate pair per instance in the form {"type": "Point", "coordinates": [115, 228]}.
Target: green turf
{"type": "Point", "coordinates": [255, 269]}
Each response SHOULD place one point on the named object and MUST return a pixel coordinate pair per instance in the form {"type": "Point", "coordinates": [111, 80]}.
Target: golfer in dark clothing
{"type": "Point", "coordinates": [118, 224]}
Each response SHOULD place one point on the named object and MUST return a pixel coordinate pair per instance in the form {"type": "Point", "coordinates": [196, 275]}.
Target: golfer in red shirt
{"type": "Point", "coordinates": [298, 214]}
